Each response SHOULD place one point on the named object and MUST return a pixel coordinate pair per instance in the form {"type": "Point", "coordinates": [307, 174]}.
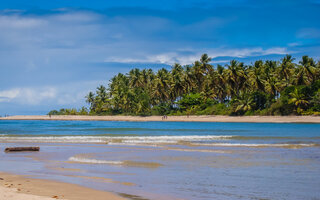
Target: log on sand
{"type": "Point", "coordinates": [11, 149]}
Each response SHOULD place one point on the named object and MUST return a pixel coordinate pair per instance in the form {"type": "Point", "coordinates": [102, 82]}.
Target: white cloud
{"type": "Point", "coordinates": [309, 33]}
{"type": "Point", "coordinates": [30, 96]}
{"type": "Point", "coordinates": [193, 55]}
{"type": "Point", "coordinates": [8, 95]}
{"type": "Point", "coordinates": [69, 36]}
{"type": "Point", "coordinates": [19, 22]}
{"type": "Point", "coordinates": [70, 95]}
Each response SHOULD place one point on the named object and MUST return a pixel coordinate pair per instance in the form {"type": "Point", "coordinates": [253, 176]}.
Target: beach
{"type": "Point", "coordinates": [191, 118]}
{"type": "Point", "coordinates": [160, 160]}
{"type": "Point", "coordinates": [15, 187]}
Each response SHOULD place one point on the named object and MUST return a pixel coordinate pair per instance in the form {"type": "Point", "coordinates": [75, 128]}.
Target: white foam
{"type": "Point", "coordinates": [94, 161]}
{"type": "Point", "coordinates": [252, 145]}
{"type": "Point", "coordinates": [54, 139]}
{"type": "Point", "coordinates": [116, 140]}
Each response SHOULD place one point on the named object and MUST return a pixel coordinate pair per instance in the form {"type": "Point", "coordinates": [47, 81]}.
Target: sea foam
{"type": "Point", "coordinates": [114, 139]}
{"type": "Point", "coordinates": [94, 161]}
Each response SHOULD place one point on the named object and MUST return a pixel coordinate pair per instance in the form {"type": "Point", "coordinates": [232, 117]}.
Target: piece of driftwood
{"type": "Point", "coordinates": [11, 149]}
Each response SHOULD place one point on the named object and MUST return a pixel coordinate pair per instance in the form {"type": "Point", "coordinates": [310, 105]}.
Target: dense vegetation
{"type": "Point", "coordinates": [267, 87]}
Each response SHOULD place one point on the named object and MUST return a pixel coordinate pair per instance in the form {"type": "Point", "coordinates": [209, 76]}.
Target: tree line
{"type": "Point", "coordinates": [268, 87]}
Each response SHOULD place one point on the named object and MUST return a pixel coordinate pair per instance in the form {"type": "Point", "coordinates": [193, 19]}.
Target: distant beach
{"type": "Point", "coordinates": [201, 118]}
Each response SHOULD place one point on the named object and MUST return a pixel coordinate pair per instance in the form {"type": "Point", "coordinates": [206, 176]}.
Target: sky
{"type": "Point", "coordinates": [52, 53]}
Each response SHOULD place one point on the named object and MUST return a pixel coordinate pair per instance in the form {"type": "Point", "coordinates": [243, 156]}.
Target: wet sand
{"type": "Point", "coordinates": [15, 187]}
{"type": "Point", "coordinates": [202, 118]}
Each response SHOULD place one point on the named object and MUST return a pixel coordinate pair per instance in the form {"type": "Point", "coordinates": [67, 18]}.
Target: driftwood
{"type": "Point", "coordinates": [10, 149]}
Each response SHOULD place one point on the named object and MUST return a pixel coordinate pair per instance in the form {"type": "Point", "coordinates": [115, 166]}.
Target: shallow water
{"type": "Point", "coordinates": [171, 160]}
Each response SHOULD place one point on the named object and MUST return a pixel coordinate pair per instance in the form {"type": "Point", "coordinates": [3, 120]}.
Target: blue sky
{"type": "Point", "coordinates": [52, 53]}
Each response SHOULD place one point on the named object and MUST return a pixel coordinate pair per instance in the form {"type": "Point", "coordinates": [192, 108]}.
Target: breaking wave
{"type": "Point", "coordinates": [127, 163]}
{"type": "Point", "coordinates": [186, 140]}
{"type": "Point", "coordinates": [285, 145]}
{"type": "Point", "coordinates": [94, 161]}
{"type": "Point", "coordinates": [113, 139]}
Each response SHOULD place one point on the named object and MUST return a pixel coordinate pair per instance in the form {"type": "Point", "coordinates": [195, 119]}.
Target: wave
{"type": "Point", "coordinates": [94, 161]}
{"type": "Point", "coordinates": [285, 145]}
{"type": "Point", "coordinates": [111, 162]}
{"type": "Point", "coordinates": [114, 139]}
{"type": "Point", "coordinates": [191, 140]}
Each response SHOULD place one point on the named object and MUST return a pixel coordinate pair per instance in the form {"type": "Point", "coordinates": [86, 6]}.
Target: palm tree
{"type": "Point", "coordinates": [236, 77]}
{"type": "Point", "coordinates": [286, 67]}
{"type": "Point", "coordinates": [299, 100]}
{"type": "Point", "coordinates": [244, 103]}
{"type": "Point", "coordinates": [135, 78]}
{"type": "Point", "coordinates": [269, 68]}
{"type": "Point", "coordinates": [102, 93]}
{"type": "Point", "coordinates": [255, 76]}
{"type": "Point", "coordinates": [189, 80]}
{"type": "Point", "coordinates": [306, 71]}
{"type": "Point", "coordinates": [90, 99]}
{"type": "Point", "coordinates": [198, 75]}
{"type": "Point", "coordinates": [221, 84]}
{"type": "Point", "coordinates": [205, 66]}
{"type": "Point", "coordinates": [161, 87]}
{"type": "Point", "coordinates": [177, 82]}
{"type": "Point", "coordinates": [138, 91]}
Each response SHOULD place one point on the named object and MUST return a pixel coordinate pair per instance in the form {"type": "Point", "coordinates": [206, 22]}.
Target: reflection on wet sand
{"type": "Point", "coordinates": [131, 197]}
{"type": "Point", "coordinates": [102, 179]}
{"type": "Point", "coordinates": [67, 169]}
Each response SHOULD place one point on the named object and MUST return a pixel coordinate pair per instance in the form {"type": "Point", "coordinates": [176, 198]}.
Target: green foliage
{"type": "Point", "coordinates": [267, 87]}
{"type": "Point", "coordinates": [53, 112]}
{"type": "Point", "coordinates": [315, 101]}
{"type": "Point", "coordinates": [72, 111]}
{"type": "Point", "coordinates": [190, 101]}
{"type": "Point", "coordinates": [161, 109]}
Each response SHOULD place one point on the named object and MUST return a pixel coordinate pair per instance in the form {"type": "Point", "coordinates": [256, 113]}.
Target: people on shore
{"type": "Point", "coordinates": [164, 117]}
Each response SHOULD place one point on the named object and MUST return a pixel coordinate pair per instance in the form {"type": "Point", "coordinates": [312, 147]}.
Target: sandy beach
{"type": "Point", "coordinates": [14, 187]}
{"type": "Point", "coordinates": [159, 160]}
{"type": "Point", "coordinates": [203, 118]}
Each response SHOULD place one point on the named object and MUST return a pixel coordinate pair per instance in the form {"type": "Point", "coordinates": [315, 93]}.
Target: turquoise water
{"type": "Point", "coordinates": [171, 160]}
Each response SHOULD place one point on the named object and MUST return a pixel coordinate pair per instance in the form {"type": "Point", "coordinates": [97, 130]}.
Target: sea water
{"type": "Point", "coordinates": [170, 160]}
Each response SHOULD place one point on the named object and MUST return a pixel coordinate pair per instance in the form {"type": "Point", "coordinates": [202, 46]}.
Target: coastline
{"type": "Point", "coordinates": [160, 160]}
{"type": "Point", "coordinates": [16, 187]}
{"type": "Point", "coordinates": [193, 118]}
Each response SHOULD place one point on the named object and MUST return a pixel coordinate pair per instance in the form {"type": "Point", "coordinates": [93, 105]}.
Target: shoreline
{"type": "Point", "coordinates": [192, 118]}
{"type": "Point", "coordinates": [17, 187]}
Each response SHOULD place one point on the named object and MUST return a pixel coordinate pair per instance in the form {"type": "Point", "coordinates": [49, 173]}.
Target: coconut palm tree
{"type": "Point", "coordinates": [161, 86]}
{"type": "Point", "coordinates": [299, 100]}
{"type": "Point", "coordinates": [244, 103]}
{"type": "Point", "coordinates": [286, 69]}
{"type": "Point", "coordinates": [236, 77]}
{"type": "Point", "coordinates": [306, 71]}
{"type": "Point", "coordinates": [189, 79]}
{"type": "Point", "coordinates": [135, 78]}
{"type": "Point", "coordinates": [138, 91]}
{"type": "Point", "coordinates": [177, 82]}
{"type": "Point", "coordinates": [255, 77]}
{"type": "Point", "coordinates": [198, 75]}
{"type": "Point", "coordinates": [90, 99]}
{"type": "Point", "coordinates": [205, 66]}
{"type": "Point", "coordinates": [221, 83]}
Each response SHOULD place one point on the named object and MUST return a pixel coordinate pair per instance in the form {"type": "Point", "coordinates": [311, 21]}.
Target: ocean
{"type": "Point", "coordinates": [170, 160]}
